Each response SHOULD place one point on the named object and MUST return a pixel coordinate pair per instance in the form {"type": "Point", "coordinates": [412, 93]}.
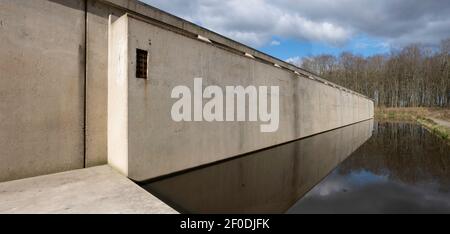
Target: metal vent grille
{"type": "Point", "coordinates": [141, 63]}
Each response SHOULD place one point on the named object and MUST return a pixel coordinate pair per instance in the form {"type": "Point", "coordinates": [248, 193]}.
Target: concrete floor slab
{"type": "Point", "coordinates": [92, 190]}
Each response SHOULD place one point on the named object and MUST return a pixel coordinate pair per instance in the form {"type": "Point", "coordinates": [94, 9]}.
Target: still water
{"type": "Point", "coordinates": [362, 168]}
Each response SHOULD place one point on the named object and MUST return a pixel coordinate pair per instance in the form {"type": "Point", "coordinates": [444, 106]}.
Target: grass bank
{"type": "Point", "coordinates": [436, 120]}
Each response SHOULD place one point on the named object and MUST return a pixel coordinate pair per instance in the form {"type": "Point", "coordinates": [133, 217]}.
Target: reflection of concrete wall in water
{"type": "Point", "coordinates": [54, 87]}
{"type": "Point", "coordinates": [268, 181]}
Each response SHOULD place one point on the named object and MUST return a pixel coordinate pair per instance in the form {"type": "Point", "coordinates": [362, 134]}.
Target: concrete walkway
{"type": "Point", "coordinates": [91, 190]}
{"type": "Point", "coordinates": [441, 122]}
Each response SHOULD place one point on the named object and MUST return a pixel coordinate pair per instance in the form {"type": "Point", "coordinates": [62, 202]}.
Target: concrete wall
{"type": "Point", "coordinates": [54, 79]}
{"type": "Point", "coordinates": [41, 87]}
{"type": "Point", "coordinates": [156, 145]}
{"type": "Point", "coordinates": [269, 181]}
{"type": "Point", "coordinates": [118, 95]}
{"type": "Point", "coordinates": [98, 12]}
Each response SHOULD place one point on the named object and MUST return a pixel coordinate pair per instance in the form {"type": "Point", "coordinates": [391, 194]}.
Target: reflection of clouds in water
{"type": "Point", "coordinates": [405, 153]}
{"type": "Point", "coordinates": [364, 192]}
{"type": "Point", "coordinates": [342, 183]}
{"type": "Point", "coordinates": [401, 169]}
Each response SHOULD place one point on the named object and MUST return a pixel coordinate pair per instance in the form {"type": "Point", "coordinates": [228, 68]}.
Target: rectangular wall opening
{"type": "Point", "coordinates": [141, 63]}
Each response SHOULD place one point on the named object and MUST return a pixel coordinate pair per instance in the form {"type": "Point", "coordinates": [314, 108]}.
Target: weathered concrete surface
{"type": "Point", "coordinates": [96, 84]}
{"type": "Point", "coordinates": [270, 181]}
{"type": "Point", "coordinates": [97, 80]}
{"type": "Point", "coordinates": [144, 142]}
{"type": "Point", "coordinates": [118, 96]}
{"type": "Point", "coordinates": [93, 190]}
{"type": "Point", "coordinates": [41, 87]}
{"type": "Point", "coordinates": [49, 116]}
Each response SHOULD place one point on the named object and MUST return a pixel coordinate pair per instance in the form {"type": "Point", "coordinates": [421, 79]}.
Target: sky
{"type": "Point", "coordinates": [293, 29]}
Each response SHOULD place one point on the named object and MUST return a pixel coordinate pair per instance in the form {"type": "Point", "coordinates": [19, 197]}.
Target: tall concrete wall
{"type": "Point", "coordinates": [98, 13]}
{"type": "Point", "coordinates": [156, 145]}
{"type": "Point", "coordinates": [54, 79]}
{"type": "Point", "coordinates": [118, 95]}
{"type": "Point", "coordinates": [41, 87]}
{"type": "Point", "coordinates": [53, 107]}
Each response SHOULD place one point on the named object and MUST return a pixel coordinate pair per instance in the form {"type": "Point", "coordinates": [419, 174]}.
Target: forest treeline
{"type": "Point", "coordinates": [414, 76]}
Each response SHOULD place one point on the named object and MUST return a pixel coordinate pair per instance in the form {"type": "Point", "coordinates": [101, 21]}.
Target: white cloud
{"type": "Point", "coordinates": [361, 45]}
{"type": "Point", "coordinates": [275, 43]}
{"type": "Point", "coordinates": [297, 61]}
{"type": "Point", "coordinates": [255, 22]}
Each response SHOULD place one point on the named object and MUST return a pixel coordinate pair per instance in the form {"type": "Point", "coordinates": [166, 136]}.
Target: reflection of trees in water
{"type": "Point", "coordinates": [404, 152]}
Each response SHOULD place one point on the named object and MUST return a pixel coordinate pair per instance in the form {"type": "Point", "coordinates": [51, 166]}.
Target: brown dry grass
{"type": "Point", "coordinates": [411, 113]}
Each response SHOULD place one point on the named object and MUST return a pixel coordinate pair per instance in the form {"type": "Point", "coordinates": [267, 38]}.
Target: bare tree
{"type": "Point", "coordinates": [410, 77]}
